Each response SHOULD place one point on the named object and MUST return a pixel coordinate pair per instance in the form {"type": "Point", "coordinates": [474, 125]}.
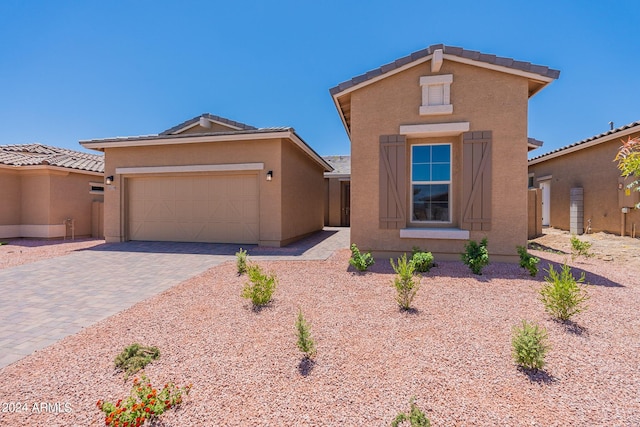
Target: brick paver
{"type": "Point", "coordinates": [47, 300]}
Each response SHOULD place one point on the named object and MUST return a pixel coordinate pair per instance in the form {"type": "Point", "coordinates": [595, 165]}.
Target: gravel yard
{"type": "Point", "coordinates": [452, 353]}
{"type": "Point", "coordinates": [22, 251]}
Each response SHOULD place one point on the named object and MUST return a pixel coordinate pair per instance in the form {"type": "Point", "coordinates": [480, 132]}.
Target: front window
{"type": "Point", "coordinates": [431, 183]}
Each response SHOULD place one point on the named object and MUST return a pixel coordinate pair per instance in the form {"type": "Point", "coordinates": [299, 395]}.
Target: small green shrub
{"type": "Point", "coordinates": [563, 296]}
{"type": "Point", "coordinates": [405, 282]}
{"type": "Point", "coordinates": [580, 248]}
{"type": "Point", "coordinates": [241, 261]}
{"type": "Point", "coordinates": [529, 345]}
{"type": "Point", "coordinates": [135, 357]}
{"type": "Point", "coordinates": [476, 256]}
{"type": "Point", "coordinates": [422, 261]}
{"type": "Point", "coordinates": [415, 417]}
{"type": "Point", "coordinates": [260, 287]}
{"type": "Point", "coordinates": [528, 261]}
{"type": "Point", "coordinates": [305, 342]}
{"type": "Point", "coordinates": [360, 261]}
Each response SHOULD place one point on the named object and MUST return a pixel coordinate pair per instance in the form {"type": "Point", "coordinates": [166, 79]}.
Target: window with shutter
{"type": "Point", "coordinates": [392, 181]}
{"type": "Point", "coordinates": [476, 180]}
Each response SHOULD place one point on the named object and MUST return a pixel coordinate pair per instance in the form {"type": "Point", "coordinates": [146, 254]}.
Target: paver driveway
{"type": "Point", "coordinates": [47, 300]}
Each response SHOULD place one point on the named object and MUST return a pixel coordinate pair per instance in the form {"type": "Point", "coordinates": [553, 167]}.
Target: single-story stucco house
{"type": "Point", "coordinates": [50, 192]}
{"type": "Point", "coordinates": [582, 187]}
{"type": "Point", "coordinates": [337, 204]}
{"type": "Point", "coordinates": [439, 151]}
{"type": "Point", "coordinates": [211, 179]}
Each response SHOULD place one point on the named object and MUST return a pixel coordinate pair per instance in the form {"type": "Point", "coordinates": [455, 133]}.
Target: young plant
{"type": "Point", "coordinates": [360, 261]}
{"type": "Point", "coordinates": [144, 403]}
{"type": "Point", "coordinates": [476, 256]}
{"type": "Point", "coordinates": [529, 345]}
{"type": "Point", "coordinates": [422, 261]}
{"type": "Point", "coordinates": [405, 282]}
{"type": "Point", "coordinates": [241, 262]}
{"type": "Point", "coordinates": [528, 261]}
{"type": "Point", "coordinates": [580, 248]}
{"type": "Point", "coordinates": [135, 357]}
{"type": "Point", "coordinates": [260, 287]}
{"type": "Point", "coordinates": [305, 342]}
{"type": "Point", "coordinates": [563, 296]}
{"type": "Point", "coordinates": [415, 417]}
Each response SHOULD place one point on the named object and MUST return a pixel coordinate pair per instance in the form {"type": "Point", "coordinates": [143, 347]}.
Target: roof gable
{"type": "Point", "coordinates": [206, 121]}
{"type": "Point", "coordinates": [44, 155]}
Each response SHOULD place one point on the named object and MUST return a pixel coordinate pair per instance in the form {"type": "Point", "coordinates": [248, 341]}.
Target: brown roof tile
{"type": "Point", "coordinates": [39, 154]}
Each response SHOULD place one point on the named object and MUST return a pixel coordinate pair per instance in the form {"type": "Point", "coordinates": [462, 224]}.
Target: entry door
{"type": "Point", "coordinates": [345, 204]}
{"type": "Point", "coordinates": [545, 186]}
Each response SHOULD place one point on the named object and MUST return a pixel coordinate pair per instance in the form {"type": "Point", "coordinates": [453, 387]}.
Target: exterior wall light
{"type": "Point", "coordinates": [109, 180]}
{"type": "Point", "coordinates": [269, 175]}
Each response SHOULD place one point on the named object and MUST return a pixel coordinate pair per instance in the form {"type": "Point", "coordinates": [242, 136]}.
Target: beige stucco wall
{"type": "Point", "coordinates": [534, 221]}
{"type": "Point", "coordinates": [42, 198]}
{"type": "Point", "coordinates": [334, 202]}
{"type": "Point", "coordinates": [489, 100]}
{"type": "Point", "coordinates": [302, 194]}
{"type": "Point", "coordinates": [280, 219]}
{"type": "Point", "coordinates": [594, 170]}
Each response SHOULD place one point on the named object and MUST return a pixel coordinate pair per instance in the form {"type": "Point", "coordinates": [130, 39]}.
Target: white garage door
{"type": "Point", "coordinates": [220, 209]}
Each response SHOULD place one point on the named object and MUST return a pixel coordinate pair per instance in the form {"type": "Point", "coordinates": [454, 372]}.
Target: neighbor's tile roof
{"type": "Point", "coordinates": [39, 154]}
{"type": "Point", "coordinates": [448, 50]}
{"type": "Point", "coordinates": [224, 120]}
{"type": "Point", "coordinates": [593, 138]}
{"type": "Point", "coordinates": [341, 164]}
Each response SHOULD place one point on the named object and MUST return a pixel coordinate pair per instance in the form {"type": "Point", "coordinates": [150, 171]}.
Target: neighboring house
{"type": "Point", "coordinates": [439, 151]}
{"type": "Point", "coordinates": [337, 205]}
{"type": "Point", "coordinates": [211, 179]}
{"type": "Point", "coordinates": [50, 192]}
{"type": "Point", "coordinates": [587, 170]}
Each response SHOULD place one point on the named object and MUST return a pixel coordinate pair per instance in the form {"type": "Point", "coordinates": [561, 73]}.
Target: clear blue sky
{"type": "Point", "coordinates": [72, 70]}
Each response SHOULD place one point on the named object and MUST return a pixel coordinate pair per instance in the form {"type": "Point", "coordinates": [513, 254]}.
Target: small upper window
{"type": "Point", "coordinates": [431, 183]}
{"type": "Point", "coordinates": [436, 94]}
{"type": "Point", "coordinates": [530, 181]}
{"type": "Point", "coordinates": [96, 188]}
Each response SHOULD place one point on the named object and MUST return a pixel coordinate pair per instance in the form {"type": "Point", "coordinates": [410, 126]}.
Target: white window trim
{"type": "Point", "coordinates": [428, 83]}
{"type": "Point", "coordinates": [450, 182]}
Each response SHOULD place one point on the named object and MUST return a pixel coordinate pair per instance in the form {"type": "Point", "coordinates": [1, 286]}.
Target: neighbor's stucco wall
{"type": "Point", "coordinates": [71, 199]}
{"type": "Point", "coordinates": [36, 197]}
{"type": "Point", "coordinates": [302, 193]}
{"type": "Point", "coordinates": [489, 100]}
{"type": "Point", "coordinates": [230, 152]}
{"type": "Point", "coordinates": [11, 205]}
{"type": "Point", "coordinates": [594, 170]}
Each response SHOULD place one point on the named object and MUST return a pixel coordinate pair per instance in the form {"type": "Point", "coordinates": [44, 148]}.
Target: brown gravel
{"type": "Point", "coordinates": [23, 251]}
{"type": "Point", "coordinates": [452, 353]}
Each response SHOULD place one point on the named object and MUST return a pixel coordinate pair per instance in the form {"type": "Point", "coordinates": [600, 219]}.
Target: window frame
{"type": "Point", "coordinates": [449, 182]}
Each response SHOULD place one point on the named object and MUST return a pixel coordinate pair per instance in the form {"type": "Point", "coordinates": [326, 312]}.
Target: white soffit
{"type": "Point", "coordinates": [436, 129]}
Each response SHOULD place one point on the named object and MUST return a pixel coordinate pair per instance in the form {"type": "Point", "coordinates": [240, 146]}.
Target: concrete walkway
{"type": "Point", "coordinates": [47, 300]}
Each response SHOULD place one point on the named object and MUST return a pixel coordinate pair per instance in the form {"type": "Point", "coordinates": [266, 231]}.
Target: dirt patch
{"type": "Point", "coordinates": [23, 251]}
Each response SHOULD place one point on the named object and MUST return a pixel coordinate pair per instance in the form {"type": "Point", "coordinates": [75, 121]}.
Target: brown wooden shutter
{"type": "Point", "coordinates": [476, 181]}
{"type": "Point", "coordinates": [393, 181]}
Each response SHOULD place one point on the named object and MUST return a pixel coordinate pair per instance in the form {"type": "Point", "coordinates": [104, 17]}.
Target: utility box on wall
{"type": "Point", "coordinates": [576, 211]}
{"type": "Point", "coordinates": [627, 197]}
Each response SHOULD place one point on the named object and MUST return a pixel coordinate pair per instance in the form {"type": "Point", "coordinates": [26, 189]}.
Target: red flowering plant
{"type": "Point", "coordinates": [144, 403]}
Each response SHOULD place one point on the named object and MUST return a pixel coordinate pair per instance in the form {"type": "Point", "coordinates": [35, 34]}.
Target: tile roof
{"type": "Point", "coordinates": [448, 50]}
{"type": "Point", "coordinates": [224, 120]}
{"type": "Point", "coordinates": [341, 165]}
{"type": "Point", "coordinates": [39, 154]}
{"type": "Point", "coordinates": [559, 151]}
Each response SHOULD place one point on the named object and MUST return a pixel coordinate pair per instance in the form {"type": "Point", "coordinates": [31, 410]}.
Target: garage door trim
{"type": "Point", "coordinates": [227, 167]}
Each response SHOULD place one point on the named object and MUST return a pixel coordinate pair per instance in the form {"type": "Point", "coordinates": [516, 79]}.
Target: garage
{"type": "Point", "coordinates": [199, 208]}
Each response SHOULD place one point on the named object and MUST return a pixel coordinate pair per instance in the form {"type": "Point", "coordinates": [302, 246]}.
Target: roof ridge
{"type": "Point", "coordinates": [242, 126]}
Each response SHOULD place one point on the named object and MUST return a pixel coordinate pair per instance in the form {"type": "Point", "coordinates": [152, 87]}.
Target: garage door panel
{"type": "Point", "coordinates": [221, 209]}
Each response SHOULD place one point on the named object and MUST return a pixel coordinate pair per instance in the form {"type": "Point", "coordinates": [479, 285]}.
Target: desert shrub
{"type": "Point", "coordinates": [476, 256]}
{"type": "Point", "coordinates": [422, 261]}
{"type": "Point", "coordinates": [144, 403]}
{"type": "Point", "coordinates": [563, 296]}
{"type": "Point", "coordinates": [260, 287]}
{"type": "Point", "coordinates": [305, 341]}
{"type": "Point", "coordinates": [415, 417]}
{"type": "Point", "coordinates": [528, 261]}
{"type": "Point", "coordinates": [529, 345]}
{"type": "Point", "coordinates": [359, 260]}
{"type": "Point", "coordinates": [241, 261]}
{"type": "Point", "coordinates": [135, 357]}
{"type": "Point", "coordinates": [405, 282]}
{"type": "Point", "coordinates": [580, 248]}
